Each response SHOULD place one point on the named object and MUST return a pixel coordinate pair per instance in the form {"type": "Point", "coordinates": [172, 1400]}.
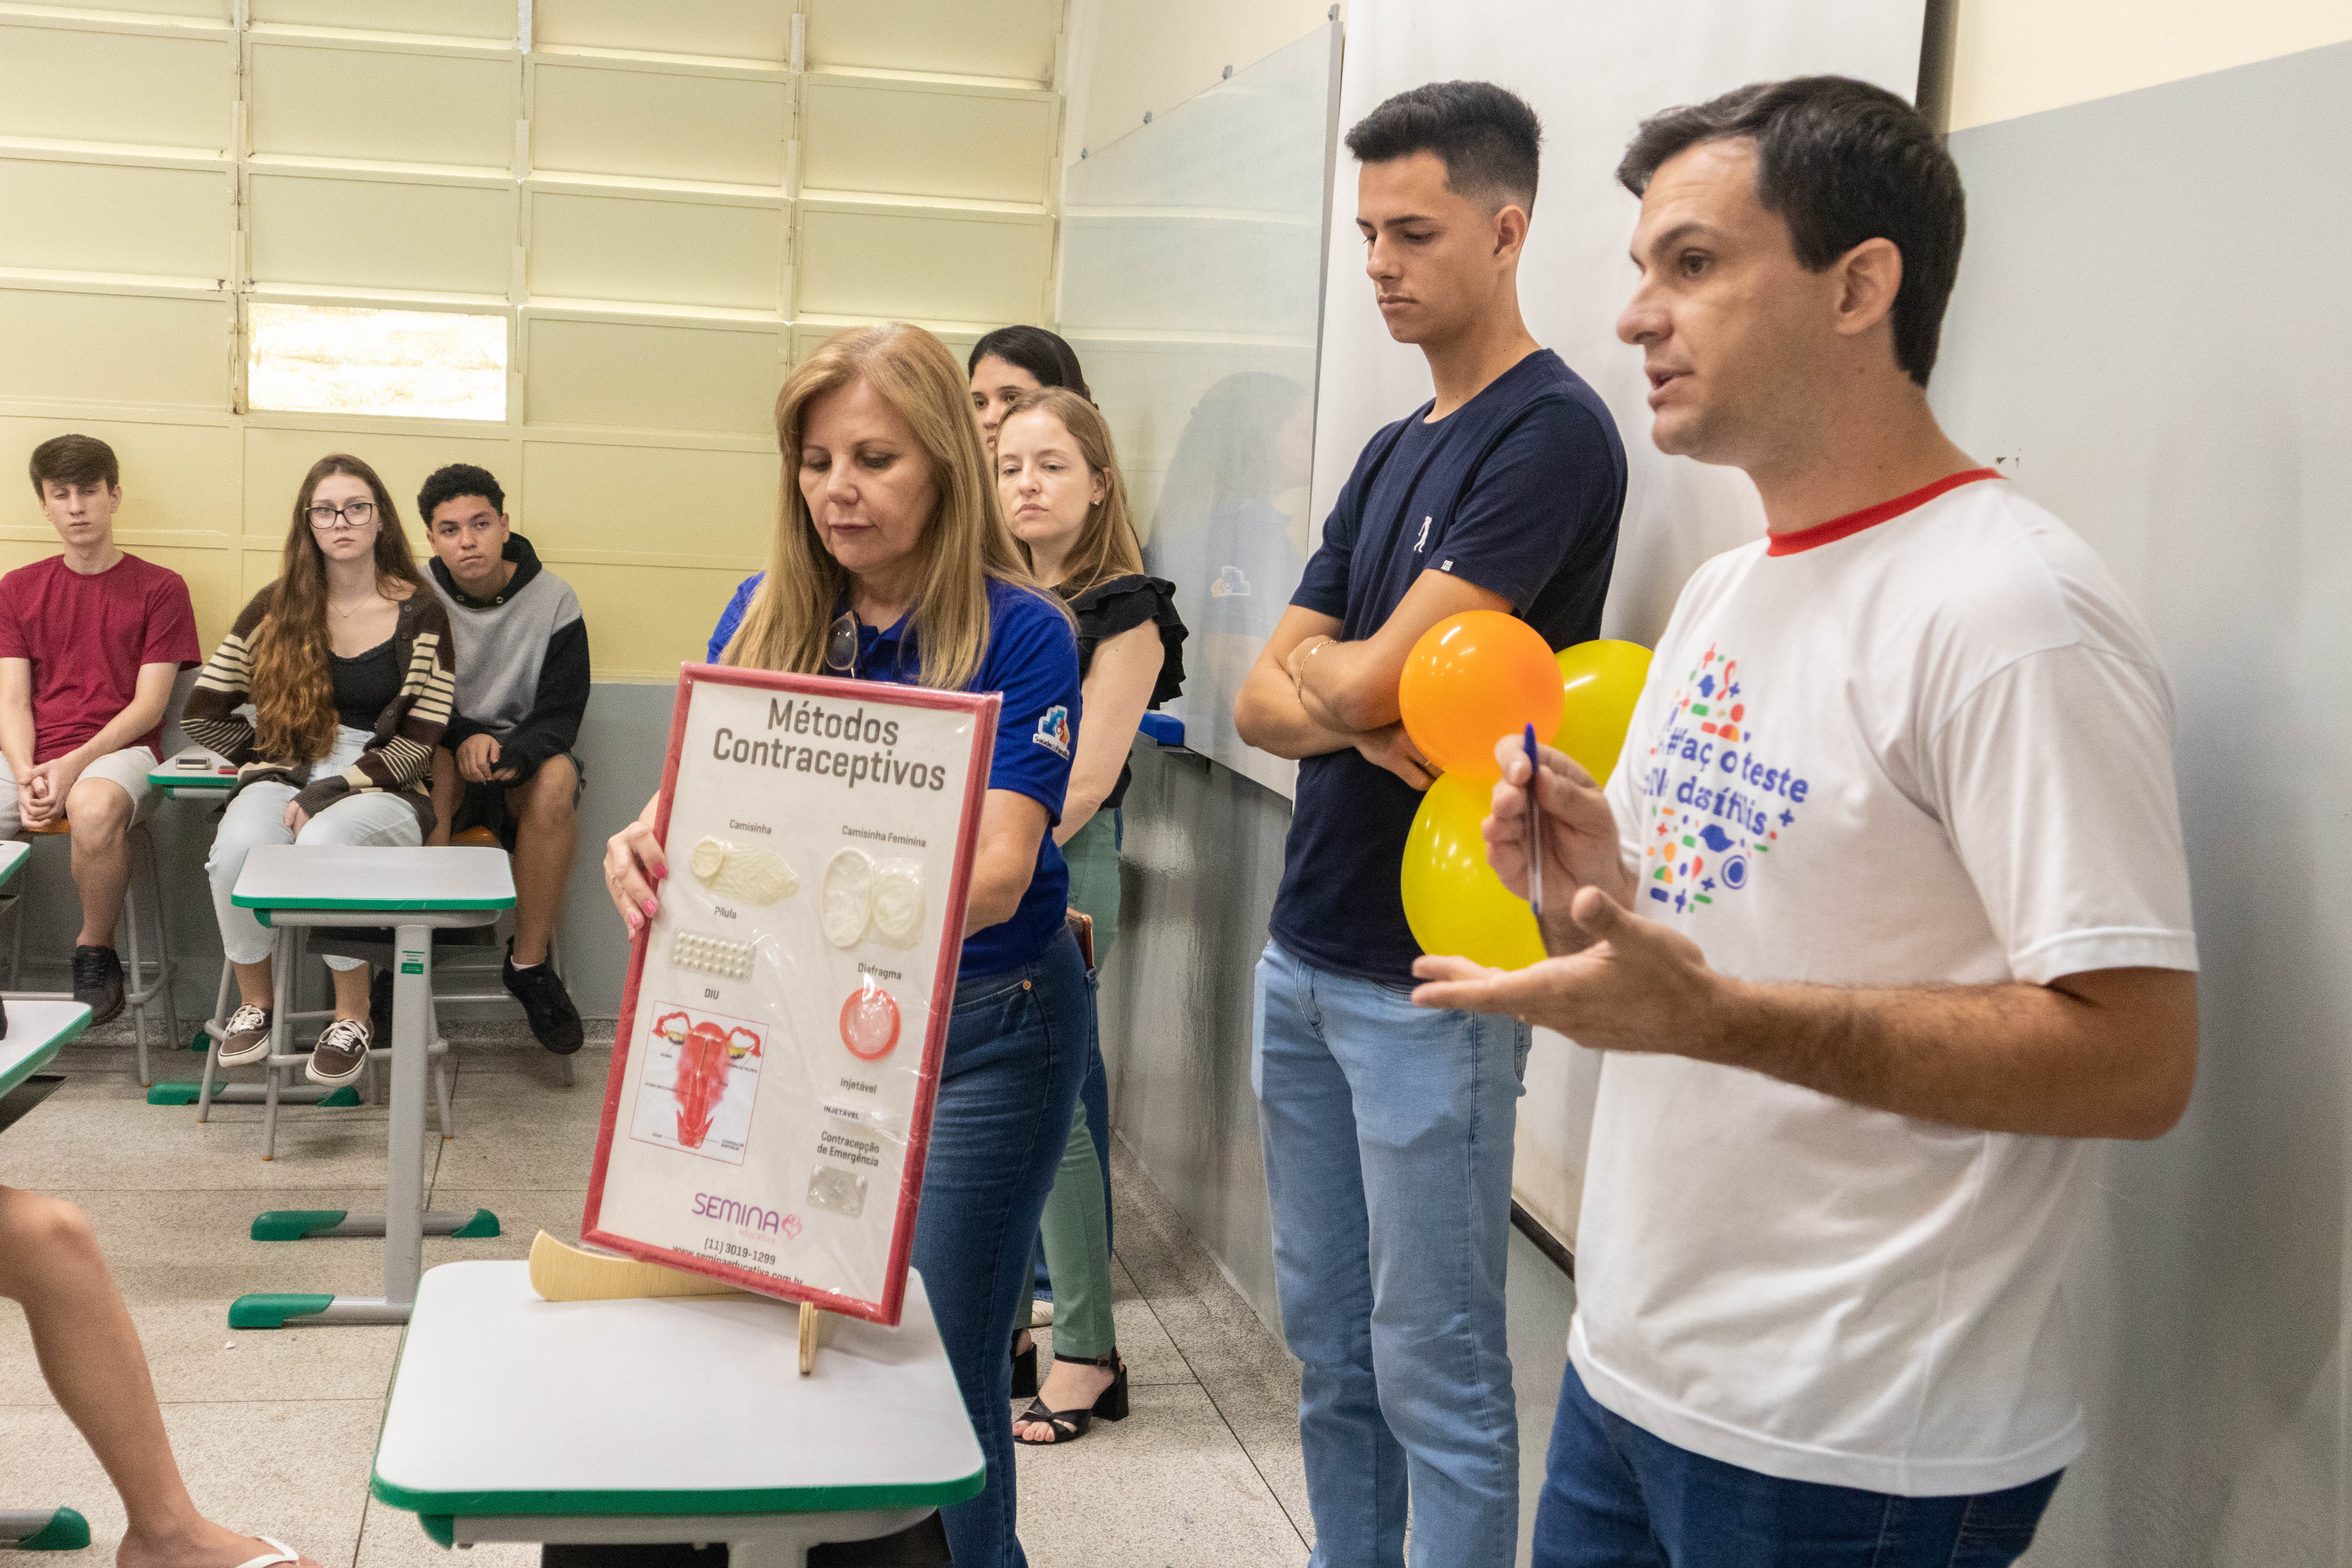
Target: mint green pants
{"type": "Point", "coordinates": [1076, 1229]}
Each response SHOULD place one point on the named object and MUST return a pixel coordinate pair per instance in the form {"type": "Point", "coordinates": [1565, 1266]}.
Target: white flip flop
{"type": "Point", "coordinates": [281, 1554]}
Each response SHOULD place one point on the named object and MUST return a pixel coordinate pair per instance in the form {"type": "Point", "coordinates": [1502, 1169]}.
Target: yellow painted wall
{"type": "Point", "coordinates": [2019, 57]}
{"type": "Point", "coordinates": [666, 207]}
{"type": "Point", "coordinates": [1129, 56]}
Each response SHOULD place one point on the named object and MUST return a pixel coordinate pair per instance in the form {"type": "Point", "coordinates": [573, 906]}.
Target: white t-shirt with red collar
{"type": "Point", "coordinates": [1926, 743]}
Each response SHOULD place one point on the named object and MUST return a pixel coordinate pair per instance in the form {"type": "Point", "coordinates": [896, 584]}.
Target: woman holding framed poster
{"type": "Point", "coordinates": [892, 563]}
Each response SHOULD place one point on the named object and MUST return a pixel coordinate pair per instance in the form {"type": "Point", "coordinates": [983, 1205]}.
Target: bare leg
{"type": "Point", "coordinates": [351, 993]}
{"type": "Point", "coordinates": [547, 835]}
{"type": "Point", "coordinates": [254, 985]}
{"type": "Point", "coordinates": [101, 813]}
{"type": "Point", "coordinates": [448, 784]}
{"type": "Point", "coordinates": [89, 1354]}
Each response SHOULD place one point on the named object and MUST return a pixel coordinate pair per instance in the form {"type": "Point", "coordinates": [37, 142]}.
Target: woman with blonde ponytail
{"type": "Point", "coordinates": [891, 562]}
{"type": "Point", "coordinates": [347, 662]}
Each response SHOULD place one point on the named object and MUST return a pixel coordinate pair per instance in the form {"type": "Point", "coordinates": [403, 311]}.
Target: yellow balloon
{"type": "Point", "coordinates": [1604, 680]}
{"type": "Point", "coordinates": [1453, 899]}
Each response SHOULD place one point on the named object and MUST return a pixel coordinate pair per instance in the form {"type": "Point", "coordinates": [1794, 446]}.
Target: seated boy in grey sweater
{"type": "Point", "coordinates": [505, 763]}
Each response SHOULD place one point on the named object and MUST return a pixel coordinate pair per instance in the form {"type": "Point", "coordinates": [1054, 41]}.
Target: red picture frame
{"type": "Point", "coordinates": [983, 707]}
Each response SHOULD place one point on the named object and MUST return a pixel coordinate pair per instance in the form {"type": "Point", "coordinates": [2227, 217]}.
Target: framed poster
{"type": "Point", "coordinates": [778, 1050]}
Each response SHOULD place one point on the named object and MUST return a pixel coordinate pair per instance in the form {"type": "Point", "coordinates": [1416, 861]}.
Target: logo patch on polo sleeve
{"type": "Point", "coordinates": [1053, 729]}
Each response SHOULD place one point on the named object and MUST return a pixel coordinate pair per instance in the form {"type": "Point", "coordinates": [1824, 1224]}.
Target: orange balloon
{"type": "Point", "coordinates": [1471, 679]}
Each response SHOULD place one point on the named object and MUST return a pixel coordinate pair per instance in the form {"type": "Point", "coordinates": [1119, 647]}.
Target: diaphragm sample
{"type": "Point", "coordinates": [870, 1023]}
{"type": "Point", "coordinates": [849, 897]}
{"type": "Point", "coordinates": [899, 904]}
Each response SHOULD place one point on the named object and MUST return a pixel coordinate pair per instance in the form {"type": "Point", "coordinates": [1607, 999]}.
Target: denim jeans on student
{"type": "Point", "coordinates": [1616, 1497]}
{"type": "Point", "coordinates": [1388, 1157]}
{"type": "Point", "coordinates": [1018, 1043]}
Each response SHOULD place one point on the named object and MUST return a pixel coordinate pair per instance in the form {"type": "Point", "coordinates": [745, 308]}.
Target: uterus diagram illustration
{"type": "Point", "coordinates": [697, 1090]}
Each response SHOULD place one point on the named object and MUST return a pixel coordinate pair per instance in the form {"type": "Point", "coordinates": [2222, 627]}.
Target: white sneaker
{"type": "Point", "coordinates": [246, 1039]}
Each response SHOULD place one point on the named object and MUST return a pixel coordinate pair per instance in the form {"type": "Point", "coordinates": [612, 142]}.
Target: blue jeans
{"type": "Point", "coordinates": [1616, 1497]}
{"type": "Point", "coordinates": [1018, 1044]}
{"type": "Point", "coordinates": [1388, 1157]}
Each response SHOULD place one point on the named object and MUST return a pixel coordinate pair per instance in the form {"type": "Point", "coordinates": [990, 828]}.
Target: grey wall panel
{"type": "Point", "coordinates": [2153, 337]}
{"type": "Point", "coordinates": [1203, 855]}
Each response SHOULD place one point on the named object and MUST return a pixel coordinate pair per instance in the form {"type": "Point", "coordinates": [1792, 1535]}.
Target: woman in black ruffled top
{"type": "Point", "coordinates": [1059, 480]}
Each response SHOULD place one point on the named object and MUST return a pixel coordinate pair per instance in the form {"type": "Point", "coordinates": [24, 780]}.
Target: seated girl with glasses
{"type": "Point", "coordinates": [892, 563]}
{"type": "Point", "coordinates": [346, 660]}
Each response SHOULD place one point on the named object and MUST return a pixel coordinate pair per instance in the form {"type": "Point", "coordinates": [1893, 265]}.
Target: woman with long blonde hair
{"type": "Point", "coordinates": [891, 562]}
{"type": "Point", "coordinates": [1058, 476]}
{"type": "Point", "coordinates": [347, 662]}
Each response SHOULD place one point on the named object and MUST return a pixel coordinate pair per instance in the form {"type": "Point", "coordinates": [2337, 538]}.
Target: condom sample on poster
{"type": "Point", "coordinates": [778, 1051]}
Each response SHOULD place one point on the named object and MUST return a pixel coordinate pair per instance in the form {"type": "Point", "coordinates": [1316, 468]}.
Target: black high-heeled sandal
{"type": "Point", "coordinates": [1069, 1425]}
{"type": "Point", "coordinates": [1024, 1366]}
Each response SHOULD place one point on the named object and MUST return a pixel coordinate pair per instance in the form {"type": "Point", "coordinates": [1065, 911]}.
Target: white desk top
{"type": "Point", "coordinates": [346, 876]}
{"type": "Point", "coordinates": [217, 773]}
{"type": "Point", "coordinates": [12, 857]}
{"type": "Point", "coordinates": [36, 1030]}
{"type": "Point", "coordinates": [506, 1404]}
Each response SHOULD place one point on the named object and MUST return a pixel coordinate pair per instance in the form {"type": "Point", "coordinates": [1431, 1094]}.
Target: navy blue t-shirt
{"type": "Point", "coordinates": [1517, 491]}
{"type": "Point", "coordinates": [1032, 660]}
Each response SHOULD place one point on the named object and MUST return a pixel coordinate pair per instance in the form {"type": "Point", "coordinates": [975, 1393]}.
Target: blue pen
{"type": "Point", "coordinates": [1535, 833]}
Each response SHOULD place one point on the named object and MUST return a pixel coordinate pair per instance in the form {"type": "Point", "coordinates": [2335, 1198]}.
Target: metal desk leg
{"type": "Point", "coordinates": [405, 1221]}
{"type": "Point", "coordinates": [404, 1190]}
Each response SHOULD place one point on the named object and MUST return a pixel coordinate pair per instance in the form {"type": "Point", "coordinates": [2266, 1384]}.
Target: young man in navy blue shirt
{"type": "Point", "coordinates": [1387, 1130]}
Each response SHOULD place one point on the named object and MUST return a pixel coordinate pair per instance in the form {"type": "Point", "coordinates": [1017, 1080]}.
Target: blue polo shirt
{"type": "Point", "coordinates": [1033, 662]}
{"type": "Point", "coordinates": [1518, 491]}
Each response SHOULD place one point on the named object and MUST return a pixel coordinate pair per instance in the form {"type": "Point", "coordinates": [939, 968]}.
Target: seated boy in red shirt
{"type": "Point", "coordinates": [90, 643]}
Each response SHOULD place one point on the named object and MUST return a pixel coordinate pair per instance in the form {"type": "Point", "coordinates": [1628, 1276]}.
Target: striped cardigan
{"type": "Point", "coordinates": [399, 754]}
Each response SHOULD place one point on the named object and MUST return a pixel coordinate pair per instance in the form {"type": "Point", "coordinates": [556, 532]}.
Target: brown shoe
{"type": "Point", "coordinates": [341, 1053]}
{"type": "Point", "coordinates": [246, 1039]}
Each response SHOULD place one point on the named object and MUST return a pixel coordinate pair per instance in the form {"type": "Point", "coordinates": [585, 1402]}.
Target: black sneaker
{"type": "Point", "coordinates": [97, 981]}
{"type": "Point", "coordinates": [553, 1019]}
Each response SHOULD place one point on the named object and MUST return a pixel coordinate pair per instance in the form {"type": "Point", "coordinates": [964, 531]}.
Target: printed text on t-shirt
{"type": "Point", "coordinates": [1716, 800]}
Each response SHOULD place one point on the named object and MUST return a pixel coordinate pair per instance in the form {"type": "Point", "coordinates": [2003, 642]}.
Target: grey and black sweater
{"type": "Point", "coordinates": [522, 662]}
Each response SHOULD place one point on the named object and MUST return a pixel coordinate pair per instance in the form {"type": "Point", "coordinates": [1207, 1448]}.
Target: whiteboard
{"type": "Point", "coordinates": [1593, 70]}
{"type": "Point", "coordinates": [1192, 289]}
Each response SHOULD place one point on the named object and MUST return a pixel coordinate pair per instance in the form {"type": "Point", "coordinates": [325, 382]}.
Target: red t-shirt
{"type": "Point", "coordinates": [87, 637]}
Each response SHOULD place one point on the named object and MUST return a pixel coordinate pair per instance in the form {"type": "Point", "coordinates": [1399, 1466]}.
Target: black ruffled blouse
{"type": "Point", "coordinates": [1122, 603]}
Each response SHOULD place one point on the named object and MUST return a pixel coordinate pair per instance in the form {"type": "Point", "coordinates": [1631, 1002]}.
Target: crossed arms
{"type": "Point", "coordinates": [1309, 694]}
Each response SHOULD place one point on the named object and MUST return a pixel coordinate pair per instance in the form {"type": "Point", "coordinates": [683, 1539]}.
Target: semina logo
{"type": "Point", "coordinates": [1717, 807]}
{"type": "Point", "coordinates": [746, 1217]}
{"type": "Point", "coordinates": [1053, 729]}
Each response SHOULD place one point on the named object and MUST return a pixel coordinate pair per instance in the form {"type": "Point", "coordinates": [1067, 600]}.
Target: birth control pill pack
{"type": "Point", "coordinates": [777, 1052]}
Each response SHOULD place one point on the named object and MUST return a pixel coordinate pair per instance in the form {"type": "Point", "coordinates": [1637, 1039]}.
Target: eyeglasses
{"type": "Point", "coordinates": [841, 646]}
{"type": "Point", "coordinates": [357, 514]}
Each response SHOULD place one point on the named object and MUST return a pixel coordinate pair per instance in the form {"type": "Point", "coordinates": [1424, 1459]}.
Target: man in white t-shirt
{"type": "Point", "coordinates": [1882, 915]}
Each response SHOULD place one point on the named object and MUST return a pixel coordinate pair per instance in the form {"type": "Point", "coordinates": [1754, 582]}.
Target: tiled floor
{"type": "Point", "coordinates": [276, 1429]}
